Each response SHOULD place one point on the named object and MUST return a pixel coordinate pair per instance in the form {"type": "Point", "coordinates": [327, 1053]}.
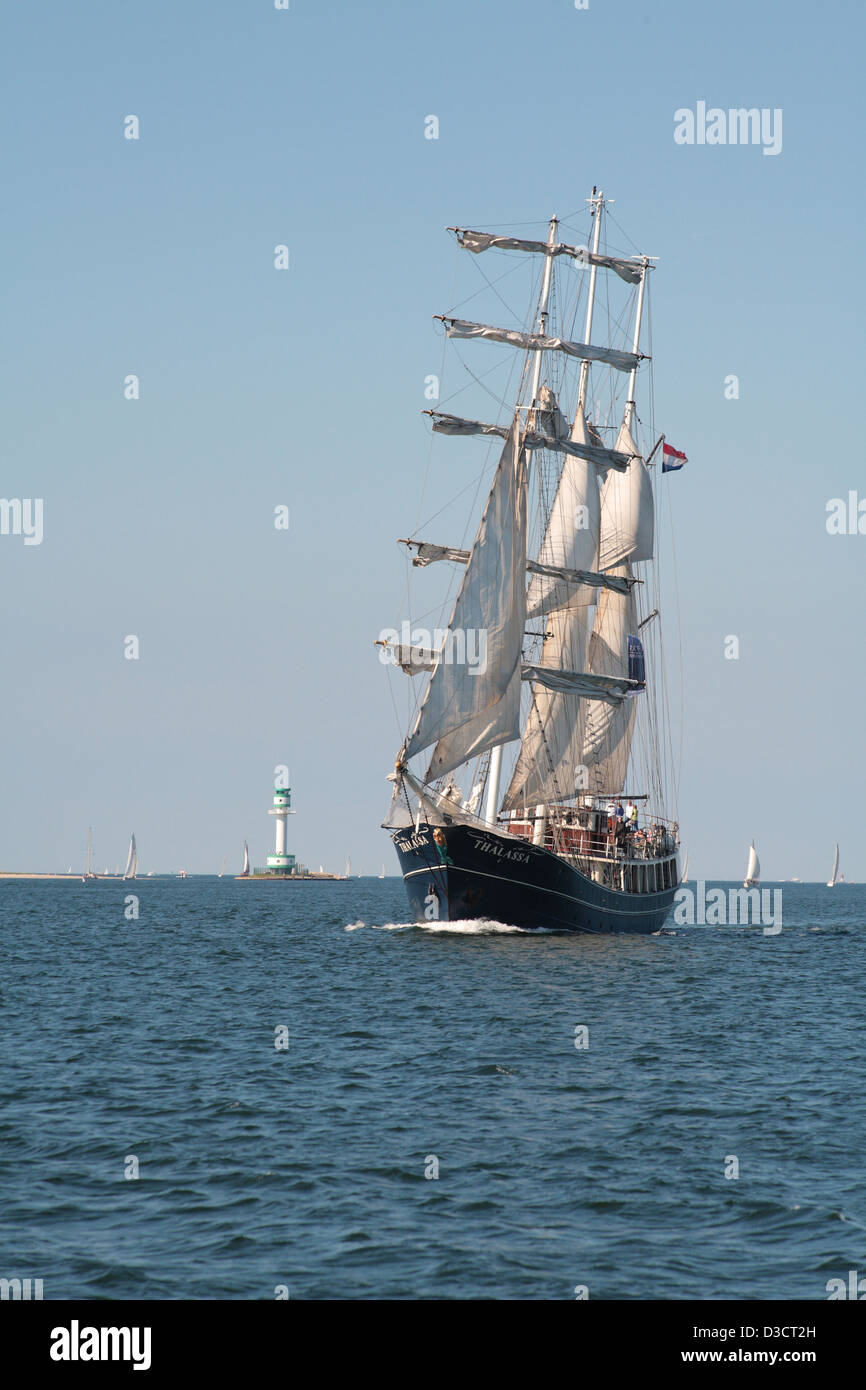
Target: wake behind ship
{"type": "Point", "coordinates": [548, 679]}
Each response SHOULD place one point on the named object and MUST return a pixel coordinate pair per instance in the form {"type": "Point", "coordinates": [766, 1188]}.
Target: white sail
{"type": "Point", "coordinates": [609, 728]}
{"type": "Point", "coordinates": [545, 770]}
{"type": "Point", "coordinates": [571, 537]}
{"type": "Point", "coordinates": [753, 868]}
{"type": "Point", "coordinates": [629, 270]}
{"type": "Point", "coordinates": [835, 874]}
{"type": "Point", "coordinates": [348, 868]}
{"type": "Point", "coordinates": [538, 342]}
{"type": "Point", "coordinates": [245, 870]}
{"type": "Point", "coordinates": [472, 705]}
{"type": "Point", "coordinates": [550, 751]}
{"type": "Point", "coordinates": [685, 877]}
{"type": "Point", "coordinates": [627, 511]}
{"type": "Point", "coordinates": [131, 860]}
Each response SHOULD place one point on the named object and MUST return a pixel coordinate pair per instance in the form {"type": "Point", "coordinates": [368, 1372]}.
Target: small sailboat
{"type": "Point", "coordinates": [382, 874]}
{"type": "Point", "coordinates": [88, 872]}
{"type": "Point", "coordinates": [348, 867]}
{"type": "Point", "coordinates": [753, 869]}
{"type": "Point", "coordinates": [246, 869]}
{"type": "Point", "coordinates": [835, 875]}
{"type": "Point", "coordinates": [131, 869]}
{"type": "Point", "coordinates": [222, 870]}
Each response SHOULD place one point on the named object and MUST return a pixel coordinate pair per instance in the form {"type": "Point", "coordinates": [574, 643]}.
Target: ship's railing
{"type": "Point", "coordinates": [630, 858]}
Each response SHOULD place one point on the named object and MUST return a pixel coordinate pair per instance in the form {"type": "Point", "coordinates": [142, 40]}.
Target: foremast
{"type": "Point", "coordinates": [495, 772]}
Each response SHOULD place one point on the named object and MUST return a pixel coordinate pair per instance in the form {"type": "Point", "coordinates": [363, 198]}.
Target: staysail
{"type": "Point", "coordinates": [472, 705]}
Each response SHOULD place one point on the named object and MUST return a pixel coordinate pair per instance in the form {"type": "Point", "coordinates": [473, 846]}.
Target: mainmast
{"type": "Point", "coordinates": [596, 204]}
{"type": "Point", "coordinates": [630, 400]}
{"type": "Point", "coordinates": [495, 773]}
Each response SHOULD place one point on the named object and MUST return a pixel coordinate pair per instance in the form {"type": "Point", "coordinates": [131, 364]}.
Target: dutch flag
{"type": "Point", "coordinates": [672, 459]}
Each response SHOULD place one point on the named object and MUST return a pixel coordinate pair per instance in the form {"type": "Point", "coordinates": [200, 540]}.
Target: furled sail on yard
{"type": "Point", "coordinates": [579, 445]}
{"type": "Point", "coordinates": [471, 706]}
{"type": "Point", "coordinates": [541, 342]}
{"type": "Point", "coordinates": [484, 241]}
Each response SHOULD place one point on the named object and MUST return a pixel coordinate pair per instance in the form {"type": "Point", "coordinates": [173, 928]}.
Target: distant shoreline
{"type": "Point", "coordinates": [143, 878]}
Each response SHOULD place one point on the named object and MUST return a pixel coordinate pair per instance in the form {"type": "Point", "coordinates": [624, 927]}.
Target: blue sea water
{"type": "Point", "coordinates": [558, 1166]}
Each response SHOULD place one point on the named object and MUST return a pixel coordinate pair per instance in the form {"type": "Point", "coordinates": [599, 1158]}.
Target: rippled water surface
{"type": "Point", "coordinates": [258, 1167]}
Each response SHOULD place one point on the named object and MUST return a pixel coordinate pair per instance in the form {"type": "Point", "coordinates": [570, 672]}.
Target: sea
{"type": "Point", "coordinates": [215, 1089]}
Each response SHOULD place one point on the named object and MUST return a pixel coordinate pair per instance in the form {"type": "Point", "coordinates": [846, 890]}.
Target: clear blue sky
{"type": "Point", "coordinates": [258, 387]}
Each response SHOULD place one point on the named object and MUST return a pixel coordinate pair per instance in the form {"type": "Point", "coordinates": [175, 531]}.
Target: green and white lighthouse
{"type": "Point", "coordinates": [280, 862]}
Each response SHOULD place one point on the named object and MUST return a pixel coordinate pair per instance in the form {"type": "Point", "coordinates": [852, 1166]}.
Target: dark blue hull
{"type": "Point", "coordinates": [473, 873]}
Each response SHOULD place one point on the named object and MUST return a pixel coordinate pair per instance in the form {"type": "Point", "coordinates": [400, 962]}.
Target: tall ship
{"type": "Point", "coordinates": [535, 782]}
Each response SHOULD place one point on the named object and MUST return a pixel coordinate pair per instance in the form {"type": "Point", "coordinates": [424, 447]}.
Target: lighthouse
{"type": "Point", "coordinates": [280, 862]}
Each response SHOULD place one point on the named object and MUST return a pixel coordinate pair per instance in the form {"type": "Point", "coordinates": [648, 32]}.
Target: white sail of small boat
{"type": "Point", "coordinates": [348, 868]}
{"type": "Point", "coordinates": [834, 877]}
{"type": "Point", "coordinates": [753, 869]}
{"type": "Point", "coordinates": [222, 870]}
{"type": "Point", "coordinates": [685, 877]}
{"type": "Point", "coordinates": [245, 870]}
{"type": "Point", "coordinates": [382, 874]}
{"type": "Point", "coordinates": [88, 872]}
{"type": "Point", "coordinates": [131, 860]}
